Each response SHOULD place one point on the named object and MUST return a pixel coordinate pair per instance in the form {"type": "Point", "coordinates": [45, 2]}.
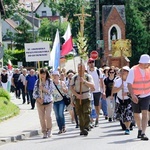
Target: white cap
{"type": "Point", "coordinates": [144, 59]}
{"type": "Point", "coordinates": [126, 68]}
{"type": "Point", "coordinates": [55, 73]}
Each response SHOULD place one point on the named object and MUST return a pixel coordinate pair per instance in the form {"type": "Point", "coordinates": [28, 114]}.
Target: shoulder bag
{"type": "Point", "coordinates": [66, 99]}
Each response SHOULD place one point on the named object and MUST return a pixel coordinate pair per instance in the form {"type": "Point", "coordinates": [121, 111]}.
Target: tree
{"type": "Point", "coordinates": [23, 35]}
{"type": "Point", "coordinates": [67, 9]}
{"type": "Point", "coordinates": [11, 7]}
{"type": "Point", "coordinates": [136, 31]}
{"type": "Point", "coordinates": [48, 29]}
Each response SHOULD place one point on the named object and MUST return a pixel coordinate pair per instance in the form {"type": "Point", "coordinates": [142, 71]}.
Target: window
{"type": "Point", "coordinates": [44, 13]}
{"type": "Point", "coordinates": [44, 4]}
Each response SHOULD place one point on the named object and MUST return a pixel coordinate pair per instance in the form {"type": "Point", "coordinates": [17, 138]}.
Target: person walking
{"type": "Point", "coordinates": [99, 85]}
{"type": "Point", "coordinates": [82, 98]}
{"type": "Point", "coordinates": [30, 81]}
{"type": "Point", "coordinates": [139, 87]}
{"type": "Point", "coordinates": [59, 105]}
{"type": "Point", "coordinates": [125, 108]}
{"type": "Point", "coordinates": [109, 81]}
{"type": "Point", "coordinates": [15, 82]}
{"type": "Point", "coordinates": [4, 79]}
{"type": "Point", "coordinates": [42, 93]}
{"type": "Point", "coordinates": [22, 82]}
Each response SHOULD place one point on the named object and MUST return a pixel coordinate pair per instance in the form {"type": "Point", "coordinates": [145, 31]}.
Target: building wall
{"type": "Point", "coordinates": [113, 19]}
{"type": "Point", "coordinates": [42, 8]}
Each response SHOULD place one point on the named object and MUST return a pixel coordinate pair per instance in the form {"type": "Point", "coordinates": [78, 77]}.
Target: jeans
{"type": "Point", "coordinates": [59, 113]}
{"type": "Point", "coordinates": [104, 106]}
{"type": "Point", "coordinates": [30, 92]}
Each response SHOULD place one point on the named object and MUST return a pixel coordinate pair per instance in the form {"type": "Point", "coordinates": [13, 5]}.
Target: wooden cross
{"type": "Point", "coordinates": [82, 20]}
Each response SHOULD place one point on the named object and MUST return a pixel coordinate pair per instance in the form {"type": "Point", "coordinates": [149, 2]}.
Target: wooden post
{"type": "Point", "coordinates": [82, 21]}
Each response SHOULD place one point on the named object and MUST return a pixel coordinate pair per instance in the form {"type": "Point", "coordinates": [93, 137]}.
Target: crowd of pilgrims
{"type": "Point", "coordinates": [24, 83]}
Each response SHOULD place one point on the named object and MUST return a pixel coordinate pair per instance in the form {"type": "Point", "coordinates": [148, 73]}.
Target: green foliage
{"type": "Point", "coordinates": [68, 9]}
{"type": "Point", "coordinates": [82, 46]}
{"type": "Point", "coordinates": [4, 93]}
{"type": "Point", "coordinates": [14, 56]}
{"type": "Point", "coordinates": [11, 7]}
{"type": "Point", "coordinates": [23, 36]}
{"type": "Point", "coordinates": [136, 31]}
{"type": "Point", "coordinates": [48, 29]}
{"type": "Point", "coordinates": [8, 55]}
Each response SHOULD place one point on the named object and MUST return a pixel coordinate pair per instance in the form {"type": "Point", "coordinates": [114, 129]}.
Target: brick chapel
{"type": "Point", "coordinates": [113, 25]}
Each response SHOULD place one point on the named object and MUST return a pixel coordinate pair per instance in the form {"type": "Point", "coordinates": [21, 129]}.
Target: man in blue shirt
{"type": "Point", "coordinates": [30, 81]}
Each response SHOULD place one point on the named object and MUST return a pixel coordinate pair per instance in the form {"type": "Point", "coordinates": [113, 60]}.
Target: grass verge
{"type": "Point", "coordinates": [7, 108]}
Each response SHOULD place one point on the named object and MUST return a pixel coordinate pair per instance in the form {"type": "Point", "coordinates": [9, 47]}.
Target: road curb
{"type": "Point", "coordinates": [22, 136]}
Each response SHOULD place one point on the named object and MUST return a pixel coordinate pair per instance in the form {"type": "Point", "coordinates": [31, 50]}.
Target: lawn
{"type": "Point", "coordinates": [7, 108]}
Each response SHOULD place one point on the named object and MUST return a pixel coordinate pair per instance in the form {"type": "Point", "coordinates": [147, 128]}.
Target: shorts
{"type": "Point", "coordinates": [143, 104]}
{"type": "Point", "coordinates": [96, 97]}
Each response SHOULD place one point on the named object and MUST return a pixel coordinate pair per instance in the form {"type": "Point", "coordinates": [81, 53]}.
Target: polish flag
{"type": "Point", "coordinates": [9, 65]}
{"type": "Point", "coordinates": [67, 45]}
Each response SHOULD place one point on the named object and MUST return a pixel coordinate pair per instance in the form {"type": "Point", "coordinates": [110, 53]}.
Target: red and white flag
{"type": "Point", "coordinates": [9, 65]}
{"type": "Point", "coordinates": [67, 45]}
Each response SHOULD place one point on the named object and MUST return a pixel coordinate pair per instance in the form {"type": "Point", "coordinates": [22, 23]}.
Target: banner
{"type": "Point", "coordinates": [37, 52]}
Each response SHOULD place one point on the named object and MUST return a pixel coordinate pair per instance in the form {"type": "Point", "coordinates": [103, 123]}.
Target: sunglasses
{"type": "Point", "coordinates": [91, 62]}
{"type": "Point", "coordinates": [111, 72]}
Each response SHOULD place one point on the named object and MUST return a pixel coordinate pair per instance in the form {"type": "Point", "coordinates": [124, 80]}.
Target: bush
{"type": "Point", "coordinates": [4, 93]}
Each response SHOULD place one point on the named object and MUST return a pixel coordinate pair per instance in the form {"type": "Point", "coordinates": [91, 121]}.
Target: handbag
{"type": "Point", "coordinates": [66, 99]}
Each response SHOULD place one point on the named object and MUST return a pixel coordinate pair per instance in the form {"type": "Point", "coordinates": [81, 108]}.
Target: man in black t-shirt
{"type": "Point", "coordinates": [15, 82]}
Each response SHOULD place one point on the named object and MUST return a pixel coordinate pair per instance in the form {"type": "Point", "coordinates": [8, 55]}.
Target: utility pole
{"type": "Point", "coordinates": [33, 34]}
{"type": "Point", "coordinates": [97, 31]}
{"type": "Point", "coordinates": [32, 22]}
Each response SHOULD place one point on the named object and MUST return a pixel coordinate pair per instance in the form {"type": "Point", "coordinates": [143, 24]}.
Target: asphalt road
{"type": "Point", "coordinates": [106, 137]}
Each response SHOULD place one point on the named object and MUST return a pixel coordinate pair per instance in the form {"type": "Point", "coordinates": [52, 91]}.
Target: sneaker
{"type": "Point", "coordinates": [77, 126]}
{"type": "Point", "coordinates": [96, 123]}
{"type": "Point", "coordinates": [44, 135]}
{"type": "Point", "coordinates": [60, 132]}
{"type": "Point", "coordinates": [63, 130]}
{"type": "Point", "coordinates": [84, 132]}
{"type": "Point", "coordinates": [127, 132]}
{"type": "Point", "coordinates": [106, 117]}
{"type": "Point", "coordinates": [144, 137]}
{"type": "Point", "coordinates": [139, 134]}
{"type": "Point", "coordinates": [49, 133]}
{"type": "Point", "coordinates": [110, 119]}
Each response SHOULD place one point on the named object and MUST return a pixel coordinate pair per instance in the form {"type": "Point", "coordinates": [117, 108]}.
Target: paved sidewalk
{"type": "Point", "coordinates": [22, 126]}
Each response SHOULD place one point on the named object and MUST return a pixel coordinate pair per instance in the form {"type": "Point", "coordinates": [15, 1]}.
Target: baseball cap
{"type": "Point", "coordinates": [90, 60]}
{"type": "Point", "coordinates": [126, 68]}
{"type": "Point", "coordinates": [55, 73]}
{"type": "Point", "coordinates": [144, 59]}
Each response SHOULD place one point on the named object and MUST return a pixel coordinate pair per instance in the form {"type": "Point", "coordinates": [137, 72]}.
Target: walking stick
{"type": "Point", "coordinates": [80, 74]}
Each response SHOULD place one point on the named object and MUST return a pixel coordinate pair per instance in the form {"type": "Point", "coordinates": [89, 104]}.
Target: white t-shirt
{"type": "Point", "coordinates": [130, 79]}
{"type": "Point", "coordinates": [117, 84]}
{"type": "Point", "coordinates": [96, 79]}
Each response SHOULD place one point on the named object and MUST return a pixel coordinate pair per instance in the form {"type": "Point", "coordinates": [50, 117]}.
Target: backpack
{"type": "Point", "coordinates": [75, 78]}
{"type": "Point", "coordinates": [98, 73]}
